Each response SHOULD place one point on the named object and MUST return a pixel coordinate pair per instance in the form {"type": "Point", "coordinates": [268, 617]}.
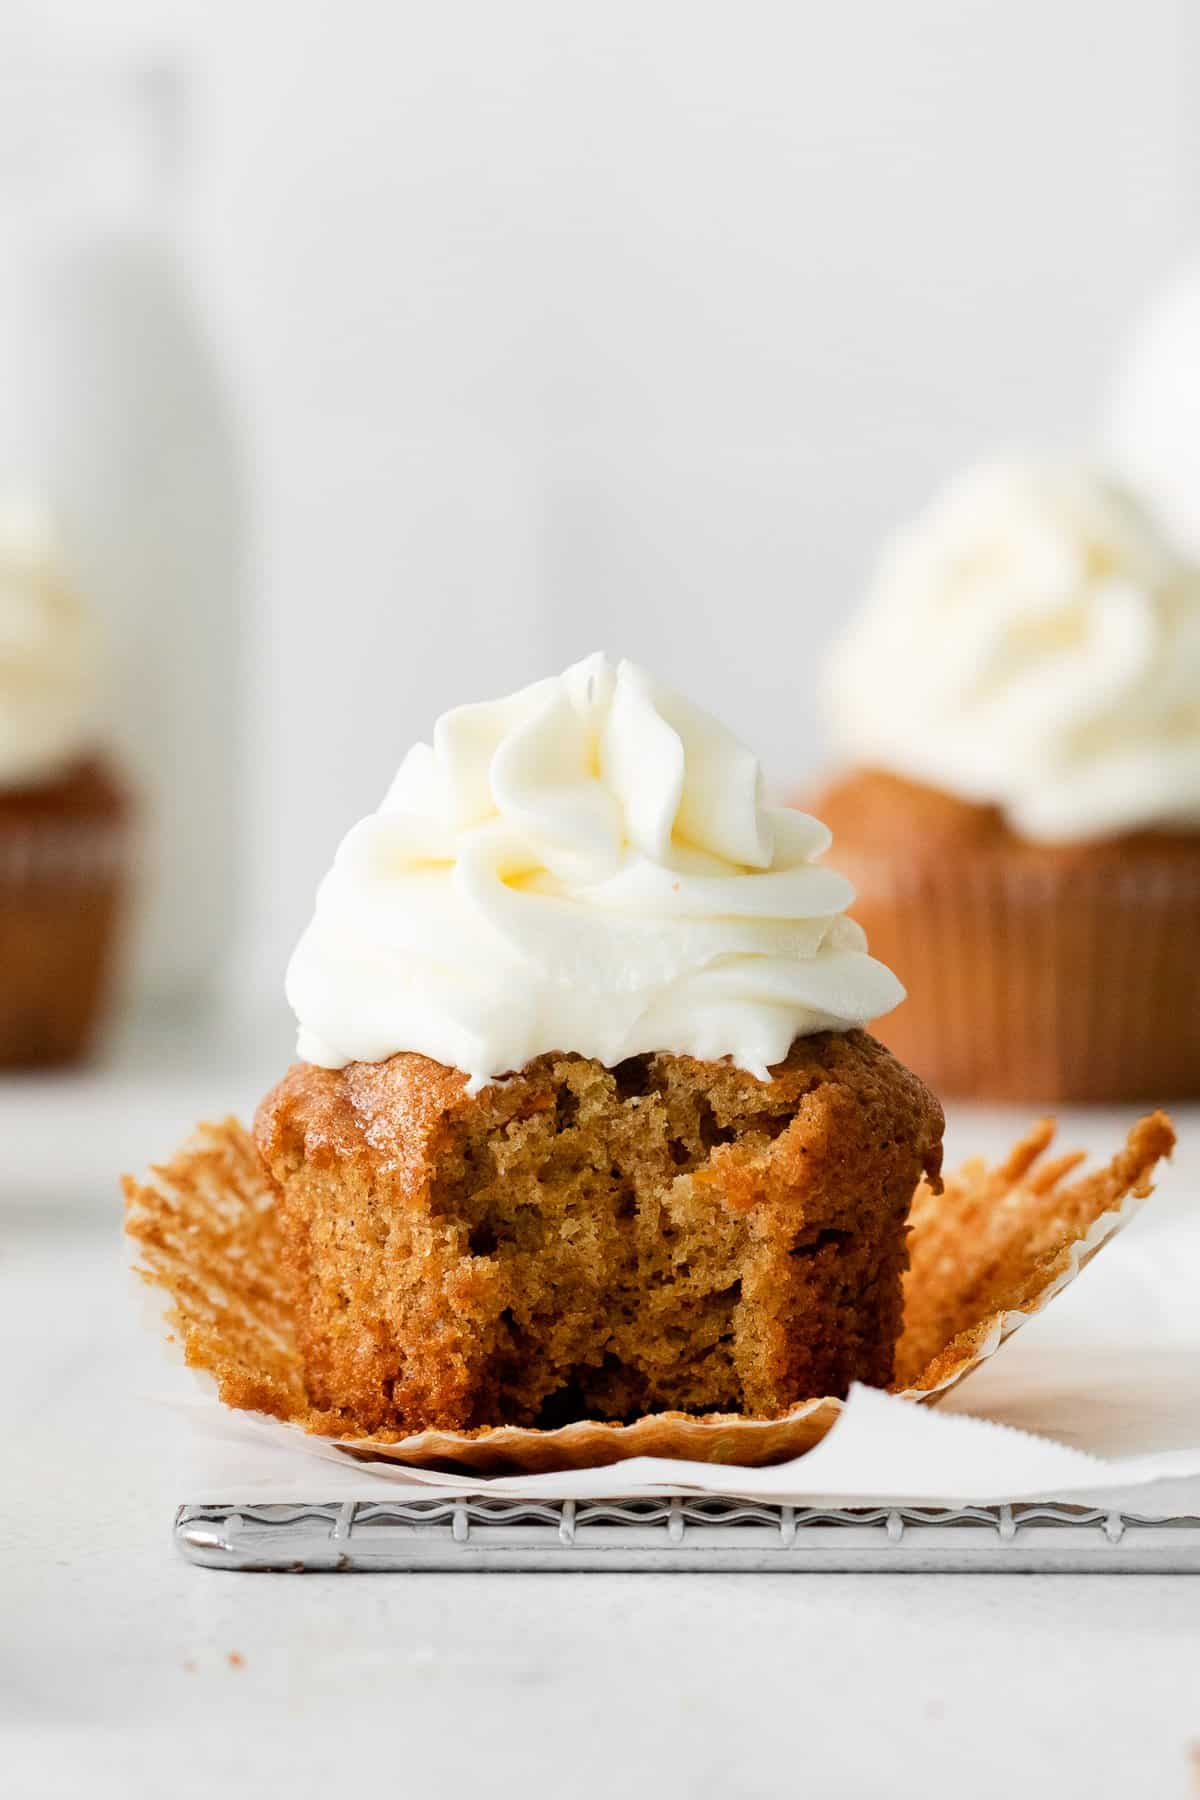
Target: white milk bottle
{"type": "Point", "coordinates": [114, 413]}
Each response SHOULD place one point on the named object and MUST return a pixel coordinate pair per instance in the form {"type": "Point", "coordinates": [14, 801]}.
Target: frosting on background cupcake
{"type": "Point", "coordinates": [46, 654]}
{"type": "Point", "coordinates": [1032, 642]}
{"type": "Point", "coordinates": [588, 866]}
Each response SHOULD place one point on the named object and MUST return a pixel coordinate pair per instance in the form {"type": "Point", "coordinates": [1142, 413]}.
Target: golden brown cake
{"type": "Point", "coordinates": [578, 1241]}
{"type": "Point", "coordinates": [1048, 972]}
{"type": "Point", "coordinates": [990, 1251]}
{"type": "Point", "coordinates": [64, 851]}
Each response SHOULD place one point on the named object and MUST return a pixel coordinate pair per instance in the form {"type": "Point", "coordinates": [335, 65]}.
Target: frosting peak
{"type": "Point", "coordinates": [1032, 642]}
{"type": "Point", "coordinates": [587, 865]}
{"type": "Point", "coordinates": [45, 645]}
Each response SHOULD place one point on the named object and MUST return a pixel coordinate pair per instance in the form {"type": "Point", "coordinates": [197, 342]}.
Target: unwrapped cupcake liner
{"type": "Point", "coordinates": [988, 1253]}
{"type": "Point", "coordinates": [1032, 979]}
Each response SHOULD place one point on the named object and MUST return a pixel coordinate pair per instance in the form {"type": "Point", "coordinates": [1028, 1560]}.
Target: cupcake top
{"type": "Point", "coordinates": [46, 654]}
{"type": "Point", "coordinates": [589, 866]}
{"type": "Point", "coordinates": [1032, 642]}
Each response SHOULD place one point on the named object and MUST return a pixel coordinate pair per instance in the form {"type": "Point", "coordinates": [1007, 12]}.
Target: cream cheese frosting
{"type": "Point", "coordinates": [46, 653]}
{"type": "Point", "coordinates": [589, 866]}
{"type": "Point", "coordinates": [1032, 642]}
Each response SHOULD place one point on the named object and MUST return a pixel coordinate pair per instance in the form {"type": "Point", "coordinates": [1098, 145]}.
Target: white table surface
{"type": "Point", "coordinates": [125, 1671]}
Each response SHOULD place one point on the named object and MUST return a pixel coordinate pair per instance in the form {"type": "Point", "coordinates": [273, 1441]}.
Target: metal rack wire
{"type": "Point", "coordinates": [701, 1532]}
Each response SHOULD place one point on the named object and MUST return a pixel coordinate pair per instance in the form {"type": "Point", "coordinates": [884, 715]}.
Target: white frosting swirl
{"type": "Point", "coordinates": [45, 654]}
{"type": "Point", "coordinates": [586, 866]}
{"type": "Point", "coordinates": [1032, 642]}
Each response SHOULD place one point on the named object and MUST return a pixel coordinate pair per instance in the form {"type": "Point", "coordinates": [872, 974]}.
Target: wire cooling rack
{"type": "Point", "coordinates": [697, 1533]}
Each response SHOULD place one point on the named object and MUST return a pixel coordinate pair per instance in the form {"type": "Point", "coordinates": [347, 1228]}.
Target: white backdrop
{"type": "Point", "coordinates": [567, 326]}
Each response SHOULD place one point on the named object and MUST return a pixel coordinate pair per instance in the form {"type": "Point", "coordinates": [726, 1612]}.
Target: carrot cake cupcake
{"type": "Point", "coordinates": [1017, 713]}
{"type": "Point", "coordinates": [586, 1122]}
{"type": "Point", "coordinates": [64, 813]}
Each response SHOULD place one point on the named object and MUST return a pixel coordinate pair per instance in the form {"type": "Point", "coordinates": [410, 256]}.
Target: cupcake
{"type": "Point", "coordinates": [1017, 713]}
{"type": "Point", "coordinates": [64, 813]}
{"type": "Point", "coordinates": [586, 1123]}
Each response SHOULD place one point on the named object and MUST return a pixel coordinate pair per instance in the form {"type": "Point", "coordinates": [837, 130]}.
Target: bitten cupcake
{"type": "Point", "coordinates": [586, 1124]}
{"type": "Point", "coordinates": [1017, 709]}
{"type": "Point", "coordinates": [64, 813]}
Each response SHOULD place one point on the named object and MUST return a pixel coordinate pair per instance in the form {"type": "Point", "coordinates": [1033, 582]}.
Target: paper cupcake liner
{"type": "Point", "coordinates": [1039, 978]}
{"type": "Point", "coordinates": [80, 853]}
{"type": "Point", "coordinates": [987, 1254]}
{"type": "Point", "coordinates": [62, 887]}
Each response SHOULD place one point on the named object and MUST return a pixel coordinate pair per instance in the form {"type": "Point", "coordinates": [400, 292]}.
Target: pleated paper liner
{"type": "Point", "coordinates": [987, 1254]}
{"type": "Point", "coordinates": [63, 897]}
{"type": "Point", "coordinates": [1038, 974]}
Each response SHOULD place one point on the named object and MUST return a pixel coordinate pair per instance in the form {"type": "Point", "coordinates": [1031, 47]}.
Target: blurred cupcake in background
{"type": "Point", "coordinates": [64, 814]}
{"type": "Point", "coordinates": [1017, 712]}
